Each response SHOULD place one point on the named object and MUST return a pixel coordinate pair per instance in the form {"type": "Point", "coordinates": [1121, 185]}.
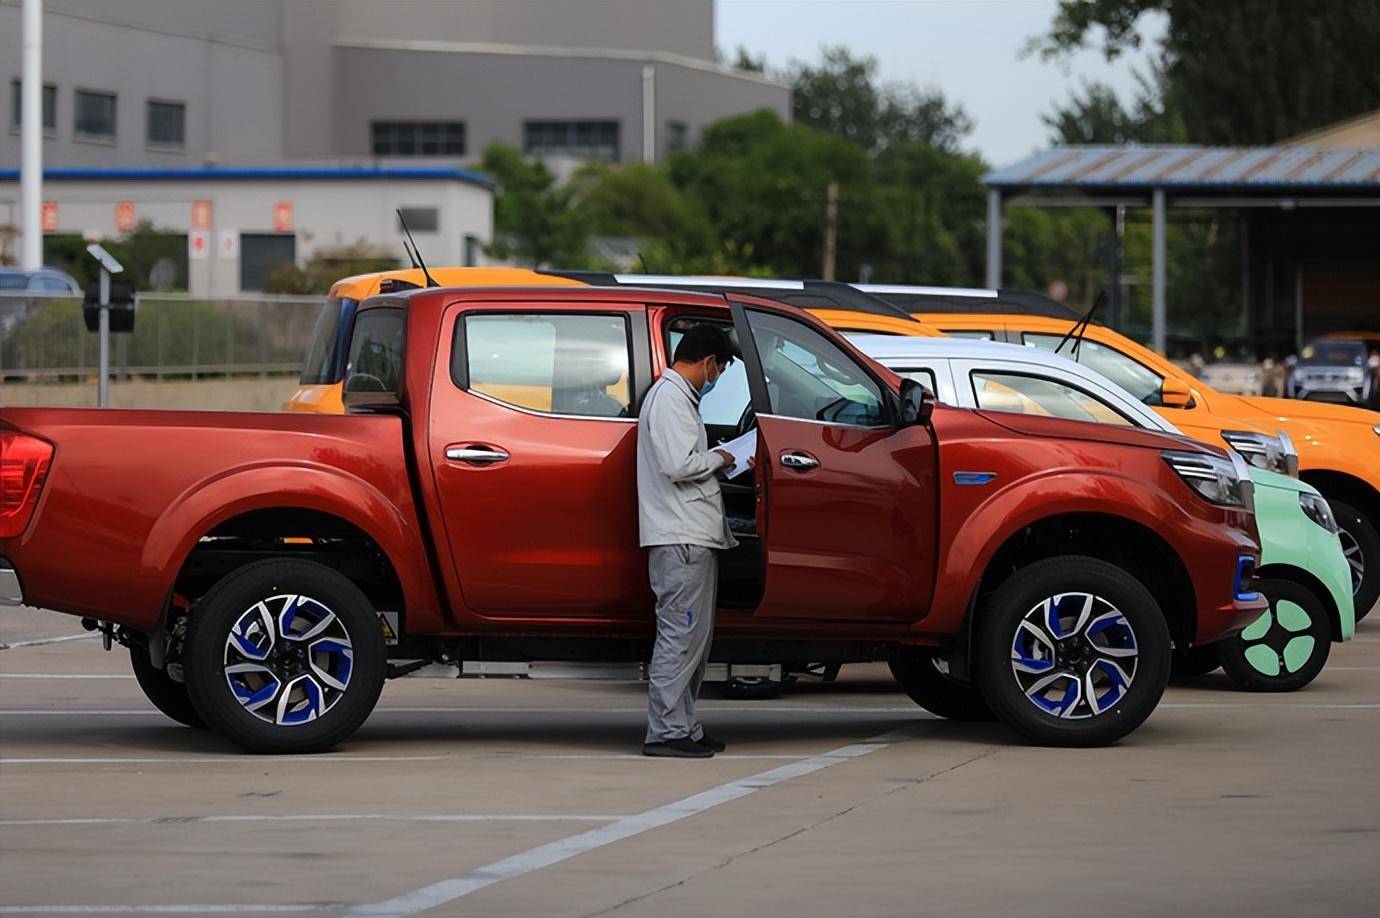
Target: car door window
{"type": "Point", "coordinates": [376, 352]}
{"type": "Point", "coordinates": [923, 376]}
{"type": "Point", "coordinates": [809, 377]}
{"type": "Point", "coordinates": [574, 364]}
{"type": "Point", "coordinates": [723, 406]}
{"type": "Point", "coordinates": [1037, 395]}
{"type": "Point", "coordinates": [1143, 383]}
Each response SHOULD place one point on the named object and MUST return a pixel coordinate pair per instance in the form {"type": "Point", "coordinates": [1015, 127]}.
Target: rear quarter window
{"type": "Point", "coordinates": [376, 353]}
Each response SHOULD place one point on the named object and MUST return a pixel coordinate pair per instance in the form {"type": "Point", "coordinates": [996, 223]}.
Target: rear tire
{"type": "Point", "coordinates": [1072, 651]}
{"type": "Point", "coordinates": [284, 656]}
{"type": "Point", "coordinates": [938, 692]}
{"type": "Point", "coordinates": [1361, 543]}
{"type": "Point", "coordinates": [167, 694]}
{"type": "Point", "coordinates": [1284, 649]}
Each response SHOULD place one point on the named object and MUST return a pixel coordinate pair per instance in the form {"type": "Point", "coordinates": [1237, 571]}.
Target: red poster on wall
{"type": "Point", "coordinates": [282, 217]}
{"type": "Point", "coordinates": [124, 216]}
{"type": "Point", "coordinates": [49, 218]}
{"type": "Point", "coordinates": [202, 215]}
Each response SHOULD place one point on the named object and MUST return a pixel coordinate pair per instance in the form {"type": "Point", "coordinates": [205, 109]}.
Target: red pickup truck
{"type": "Point", "coordinates": [478, 503]}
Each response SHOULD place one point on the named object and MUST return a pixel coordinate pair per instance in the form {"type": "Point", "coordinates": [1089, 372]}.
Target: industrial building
{"type": "Point", "coordinates": [181, 103]}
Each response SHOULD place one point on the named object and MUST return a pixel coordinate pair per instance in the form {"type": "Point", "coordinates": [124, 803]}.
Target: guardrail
{"type": "Point", "coordinates": [43, 337]}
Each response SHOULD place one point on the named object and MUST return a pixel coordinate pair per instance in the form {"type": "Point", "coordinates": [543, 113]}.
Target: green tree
{"type": "Point", "coordinates": [762, 184]}
{"type": "Point", "coordinates": [640, 200]}
{"type": "Point", "coordinates": [535, 222]}
{"type": "Point", "coordinates": [931, 206]}
{"type": "Point", "coordinates": [1240, 72]}
{"type": "Point", "coordinates": [841, 95]}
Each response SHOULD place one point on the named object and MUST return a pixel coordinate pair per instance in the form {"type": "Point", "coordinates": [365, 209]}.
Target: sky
{"type": "Point", "coordinates": [968, 48]}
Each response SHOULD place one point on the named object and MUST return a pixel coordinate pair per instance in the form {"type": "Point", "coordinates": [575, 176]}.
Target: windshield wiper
{"type": "Point", "coordinates": [1081, 326]}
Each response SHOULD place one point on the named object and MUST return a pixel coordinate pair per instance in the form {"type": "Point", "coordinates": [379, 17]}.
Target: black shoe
{"type": "Point", "coordinates": [684, 748]}
{"type": "Point", "coordinates": [708, 742]}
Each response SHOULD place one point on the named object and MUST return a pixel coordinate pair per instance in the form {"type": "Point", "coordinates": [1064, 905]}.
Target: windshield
{"type": "Point", "coordinates": [1136, 379]}
{"type": "Point", "coordinates": [322, 364]}
{"type": "Point", "coordinates": [1334, 353]}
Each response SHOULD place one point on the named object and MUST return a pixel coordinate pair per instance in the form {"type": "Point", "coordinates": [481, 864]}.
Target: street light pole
{"type": "Point", "coordinates": [31, 142]}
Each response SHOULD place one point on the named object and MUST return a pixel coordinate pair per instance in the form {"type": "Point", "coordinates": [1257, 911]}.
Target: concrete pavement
{"type": "Point", "coordinates": [504, 797]}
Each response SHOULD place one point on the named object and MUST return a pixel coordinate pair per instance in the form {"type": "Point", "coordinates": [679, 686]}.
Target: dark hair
{"type": "Point", "coordinates": [701, 341]}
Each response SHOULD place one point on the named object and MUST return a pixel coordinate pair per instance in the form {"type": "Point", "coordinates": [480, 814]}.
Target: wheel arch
{"type": "Point", "coordinates": [1312, 584]}
{"type": "Point", "coordinates": [1345, 486]}
{"type": "Point", "coordinates": [1119, 540]}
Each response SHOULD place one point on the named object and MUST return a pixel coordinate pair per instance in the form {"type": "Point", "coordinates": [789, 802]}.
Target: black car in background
{"type": "Point", "coordinates": [1338, 369]}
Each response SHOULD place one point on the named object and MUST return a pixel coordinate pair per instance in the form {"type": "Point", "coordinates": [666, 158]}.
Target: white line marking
{"type": "Point", "coordinates": [64, 676]}
{"type": "Point", "coordinates": [159, 909]}
{"type": "Point", "coordinates": [206, 760]}
{"type": "Point", "coordinates": [316, 817]}
{"type": "Point", "coordinates": [39, 642]}
{"type": "Point", "coordinates": [446, 891]}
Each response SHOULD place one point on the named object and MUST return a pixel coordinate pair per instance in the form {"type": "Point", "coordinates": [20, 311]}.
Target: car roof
{"type": "Point", "coordinates": [1006, 301]}
{"type": "Point", "coordinates": [889, 347]}
{"type": "Point", "coordinates": [805, 294]}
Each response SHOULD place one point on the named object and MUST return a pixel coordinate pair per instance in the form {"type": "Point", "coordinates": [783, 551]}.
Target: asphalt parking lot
{"type": "Point", "coordinates": [505, 797]}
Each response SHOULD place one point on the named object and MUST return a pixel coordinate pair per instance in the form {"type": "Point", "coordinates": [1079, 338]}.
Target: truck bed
{"type": "Point", "coordinates": [131, 492]}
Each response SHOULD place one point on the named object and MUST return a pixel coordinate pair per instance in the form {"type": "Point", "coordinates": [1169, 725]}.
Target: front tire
{"type": "Point", "coordinates": [284, 656]}
{"type": "Point", "coordinates": [167, 694]}
{"type": "Point", "coordinates": [1361, 545]}
{"type": "Point", "coordinates": [1284, 649]}
{"type": "Point", "coordinates": [929, 684]}
{"type": "Point", "coordinates": [1072, 651]}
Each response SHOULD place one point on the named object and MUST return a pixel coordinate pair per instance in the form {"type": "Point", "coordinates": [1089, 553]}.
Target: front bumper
{"type": "Point", "coordinates": [1331, 390]}
{"type": "Point", "coordinates": [11, 593]}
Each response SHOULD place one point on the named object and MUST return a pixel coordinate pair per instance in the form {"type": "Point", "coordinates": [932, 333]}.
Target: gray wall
{"type": "Point", "coordinates": [230, 81]}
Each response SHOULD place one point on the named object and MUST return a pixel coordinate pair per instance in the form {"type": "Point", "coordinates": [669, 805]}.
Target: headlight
{"type": "Point", "coordinates": [1317, 510]}
{"type": "Point", "coordinates": [1274, 454]}
{"type": "Point", "coordinates": [1375, 428]}
{"type": "Point", "coordinates": [1220, 481]}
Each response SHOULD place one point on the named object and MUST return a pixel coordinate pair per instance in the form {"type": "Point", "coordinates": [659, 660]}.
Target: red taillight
{"type": "Point", "coordinates": [24, 462]}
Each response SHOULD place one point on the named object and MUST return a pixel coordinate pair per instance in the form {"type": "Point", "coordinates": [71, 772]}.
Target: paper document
{"type": "Point", "coordinates": [741, 449]}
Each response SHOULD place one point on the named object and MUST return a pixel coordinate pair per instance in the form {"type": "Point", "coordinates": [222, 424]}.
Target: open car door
{"type": "Point", "coordinates": [850, 513]}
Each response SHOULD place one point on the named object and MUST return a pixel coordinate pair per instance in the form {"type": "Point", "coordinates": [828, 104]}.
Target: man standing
{"type": "Point", "coordinates": [682, 523]}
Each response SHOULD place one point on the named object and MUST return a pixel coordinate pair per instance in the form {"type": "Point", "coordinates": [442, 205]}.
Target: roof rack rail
{"type": "Point", "coordinates": [962, 300]}
{"type": "Point", "coordinates": [803, 294]}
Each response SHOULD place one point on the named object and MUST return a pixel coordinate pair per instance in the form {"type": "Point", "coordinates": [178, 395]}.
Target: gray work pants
{"type": "Point", "coordinates": [685, 579]}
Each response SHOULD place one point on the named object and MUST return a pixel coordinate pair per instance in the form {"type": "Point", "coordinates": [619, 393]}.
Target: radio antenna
{"type": "Point", "coordinates": [415, 254]}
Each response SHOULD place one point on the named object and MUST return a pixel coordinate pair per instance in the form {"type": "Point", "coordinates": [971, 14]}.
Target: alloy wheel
{"type": "Point", "coordinates": [288, 659]}
{"type": "Point", "coordinates": [1074, 655]}
{"type": "Point", "coordinates": [1354, 559]}
{"type": "Point", "coordinates": [1279, 641]}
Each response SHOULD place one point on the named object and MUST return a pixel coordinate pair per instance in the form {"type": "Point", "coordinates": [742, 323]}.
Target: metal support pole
{"type": "Point", "coordinates": [649, 114]}
{"type": "Point", "coordinates": [1157, 309]}
{"type": "Point", "coordinates": [103, 381]}
{"type": "Point", "coordinates": [31, 141]}
{"type": "Point", "coordinates": [994, 238]}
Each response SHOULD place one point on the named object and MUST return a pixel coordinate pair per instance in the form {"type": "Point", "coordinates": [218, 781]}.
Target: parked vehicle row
{"type": "Point", "coordinates": [477, 503]}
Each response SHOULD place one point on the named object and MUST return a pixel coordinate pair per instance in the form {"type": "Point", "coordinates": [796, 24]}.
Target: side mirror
{"type": "Point", "coordinates": [917, 403]}
{"type": "Point", "coordinates": [1176, 394]}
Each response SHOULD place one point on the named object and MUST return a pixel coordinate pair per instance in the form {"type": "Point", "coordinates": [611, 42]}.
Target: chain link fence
{"type": "Point", "coordinates": [184, 351]}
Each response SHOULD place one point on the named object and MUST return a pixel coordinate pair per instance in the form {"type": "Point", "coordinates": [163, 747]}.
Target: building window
{"type": "Point", "coordinates": [677, 136]}
{"type": "Point", "coordinates": [594, 139]}
{"type": "Point", "coordinates": [95, 115]}
{"type": "Point", "coordinates": [167, 124]}
{"type": "Point", "coordinates": [417, 138]}
{"type": "Point", "coordinates": [471, 255]}
{"type": "Point", "coordinates": [419, 219]}
{"type": "Point", "coordinates": [49, 106]}
{"type": "Point", "coordinates": [263, 253]}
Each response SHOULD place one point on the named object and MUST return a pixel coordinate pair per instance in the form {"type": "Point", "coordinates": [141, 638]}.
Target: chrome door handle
{"type": "Point", "coordinates": [799, 461]}
{"type": "Point", "coordinates": [479, 454]}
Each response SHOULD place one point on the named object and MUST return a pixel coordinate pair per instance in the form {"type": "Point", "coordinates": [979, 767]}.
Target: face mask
{"type": "Point", "coordinates": [708, 386]}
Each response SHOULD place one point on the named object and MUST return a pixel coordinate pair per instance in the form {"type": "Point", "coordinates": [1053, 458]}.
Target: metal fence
{"type": "Point", "coordinates": [43, 338]}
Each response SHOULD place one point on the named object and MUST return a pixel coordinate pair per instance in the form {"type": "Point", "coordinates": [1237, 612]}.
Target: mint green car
{"type": "Point", "coordinates": [1305, 576]}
